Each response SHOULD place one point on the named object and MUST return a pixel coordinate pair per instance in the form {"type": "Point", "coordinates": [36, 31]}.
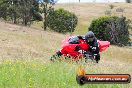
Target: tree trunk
{"type": "Point", "coordinates": [15, 18]}
{"type": "Point", "coordinates": [45, 16]}
{"type": "Point", "coordinates": [5, 16]}
{"type": "Point", "coordinates": [25, 20]}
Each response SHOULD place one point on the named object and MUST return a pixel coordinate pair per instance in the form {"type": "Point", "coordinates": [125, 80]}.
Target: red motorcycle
{"type": "Point", "coordinates": [76, 47]}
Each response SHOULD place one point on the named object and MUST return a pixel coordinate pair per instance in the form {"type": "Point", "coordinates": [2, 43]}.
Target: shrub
{"type": "Point", "coordinates": [62, 21]}
{"type": "Point", "coordinates": [111, 28]}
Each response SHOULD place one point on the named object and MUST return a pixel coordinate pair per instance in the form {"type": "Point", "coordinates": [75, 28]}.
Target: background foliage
{"type": "Point", "coordinates": [111, 28]}
{"type": "Point", "coordinates": [20, 11]}
{"type": "Point", "coordinates": [62, 21]}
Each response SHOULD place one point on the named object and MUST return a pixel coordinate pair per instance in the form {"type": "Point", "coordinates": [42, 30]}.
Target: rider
{"type": "Point", "coordinates": [91, 40]}
{"type": "Point", "coordinates": [94, 46]}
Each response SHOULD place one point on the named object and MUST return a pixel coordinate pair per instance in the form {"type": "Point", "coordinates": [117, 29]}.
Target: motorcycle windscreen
{"type": "Point", "coordinates": [74, 40]}
{"type": "Point", "coordinates": [70, 40]}
{"type": "Point", "coordinates": [103, 45]}
{"type": "Point", "coordinates": [65, 42]}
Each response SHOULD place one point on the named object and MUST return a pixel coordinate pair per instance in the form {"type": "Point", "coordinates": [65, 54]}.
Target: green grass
{"type": "Point", "coordinates": [36, 74]}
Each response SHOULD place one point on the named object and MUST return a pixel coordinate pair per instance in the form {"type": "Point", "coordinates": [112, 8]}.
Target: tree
{"type": "Point", "coordinates": [25, 7]}
{"type": "Point", "coordinates": [15, 10]}
{"type": "Point", "coordinates": [47, 5]}
{"type": "Point", "coordinates": [6, 6]}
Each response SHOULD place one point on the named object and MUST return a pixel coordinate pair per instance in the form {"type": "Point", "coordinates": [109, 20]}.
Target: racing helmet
{"type": "Point", "coordinates": [89, 37]}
